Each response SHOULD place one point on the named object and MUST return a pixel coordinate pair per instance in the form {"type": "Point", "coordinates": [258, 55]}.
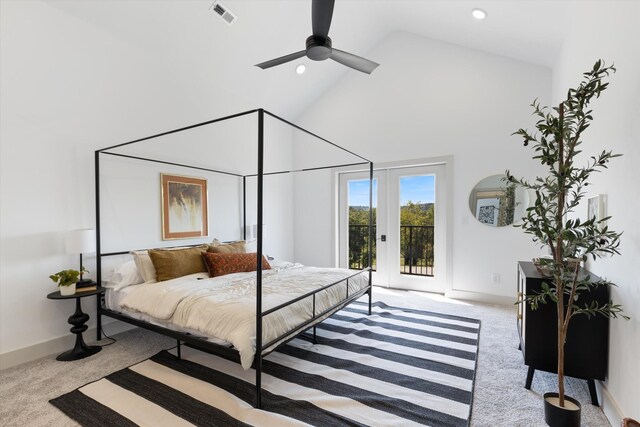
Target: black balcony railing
{"type": "Point", "coordinates": [416, 248]}
{"type": "Point", "coordinates": [359, 247]}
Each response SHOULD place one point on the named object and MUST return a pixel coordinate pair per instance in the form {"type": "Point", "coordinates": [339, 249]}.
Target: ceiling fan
{"type": "Point", "coordinates": [319, 44]}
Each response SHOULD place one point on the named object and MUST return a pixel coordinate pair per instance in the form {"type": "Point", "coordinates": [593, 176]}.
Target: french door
{"type": "Point", "coordinates": [409, 217]}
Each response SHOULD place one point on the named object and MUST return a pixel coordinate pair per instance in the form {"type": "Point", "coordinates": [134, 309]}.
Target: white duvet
{"type": "Point", "coordinates": [225, 307]}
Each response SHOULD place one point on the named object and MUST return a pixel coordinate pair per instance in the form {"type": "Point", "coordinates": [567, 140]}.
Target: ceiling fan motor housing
{"type": "Point", "coordinates": [319, 44]}
{"type": "Point", "coordinates": [318, 48]}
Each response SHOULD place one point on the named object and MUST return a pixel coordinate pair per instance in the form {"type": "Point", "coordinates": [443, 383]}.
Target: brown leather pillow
{"type": "Point", "coordinates": [227, 248]}
{"type": "Point", "coordinates": [221, 264]}
{"type": "Point", "coordinates": [170, 264]}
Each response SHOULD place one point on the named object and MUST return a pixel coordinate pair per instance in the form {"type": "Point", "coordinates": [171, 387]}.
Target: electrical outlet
{"type": "Point", "coordinates": [496, 278]}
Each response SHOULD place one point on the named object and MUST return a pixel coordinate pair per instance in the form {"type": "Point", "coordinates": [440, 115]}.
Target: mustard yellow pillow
{"type": "Point", "coordinates": [170, 264]}
{"type": "Point", "coordinates": [227, 248]}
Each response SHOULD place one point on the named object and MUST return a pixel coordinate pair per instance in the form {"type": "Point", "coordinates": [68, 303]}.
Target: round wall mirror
{"type": "Point", "coordinates": [496, 202]}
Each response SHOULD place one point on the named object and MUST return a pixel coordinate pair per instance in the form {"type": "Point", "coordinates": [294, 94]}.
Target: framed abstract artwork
{"type": "Point", "coordinates": [184, 207]}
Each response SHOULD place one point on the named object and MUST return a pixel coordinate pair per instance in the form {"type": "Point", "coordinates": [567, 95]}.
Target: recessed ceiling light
{"type": "Point", "coordinates": [300, 68]}
{"type": "Point", "coordinates": [479, 14]}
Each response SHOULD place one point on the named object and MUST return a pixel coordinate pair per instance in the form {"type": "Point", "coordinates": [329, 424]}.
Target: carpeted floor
{"type": "Point", "coordinates": [499, 399]}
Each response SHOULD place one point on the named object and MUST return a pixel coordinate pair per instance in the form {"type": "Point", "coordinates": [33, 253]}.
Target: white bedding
{"type": "Point", "coordinates": [225, 307]}
{"type": "Point", "coordinates": [113, 298]}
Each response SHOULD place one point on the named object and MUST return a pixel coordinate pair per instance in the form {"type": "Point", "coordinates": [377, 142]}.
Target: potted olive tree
{"type": "Point", "coordinates": [554, 223]}
{"type": "Point", "coordinates": [66, 280]}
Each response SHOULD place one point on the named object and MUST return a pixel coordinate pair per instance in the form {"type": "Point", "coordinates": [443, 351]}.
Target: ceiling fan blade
{"type": "Point", "coordinates": [354, 61]}
{"type": "Point", "coordinates": [321, 14]}
{"type": "Point", "coordinates": [281, 60]}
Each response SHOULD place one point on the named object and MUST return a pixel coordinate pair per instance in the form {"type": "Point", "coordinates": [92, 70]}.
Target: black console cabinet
{"type": "Point", "coordinates": [587, 345]}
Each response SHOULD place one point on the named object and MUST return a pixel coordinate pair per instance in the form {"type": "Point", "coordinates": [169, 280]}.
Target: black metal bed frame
{"type": "Point", "coordinates": [199, 342]}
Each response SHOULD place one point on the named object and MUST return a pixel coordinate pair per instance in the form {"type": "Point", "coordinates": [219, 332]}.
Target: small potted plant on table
{"type": "Point", "coordinates": [67, 279]}
{"type": "Point", "coordinates": [553, 222]}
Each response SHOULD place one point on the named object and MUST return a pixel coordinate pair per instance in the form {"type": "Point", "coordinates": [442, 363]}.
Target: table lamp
{"type": "Point", "coordinates": [79, 242]}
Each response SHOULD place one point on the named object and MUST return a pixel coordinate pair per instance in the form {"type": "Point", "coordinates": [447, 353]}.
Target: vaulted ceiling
{"type": "Point", "coordinates": [190, 35]}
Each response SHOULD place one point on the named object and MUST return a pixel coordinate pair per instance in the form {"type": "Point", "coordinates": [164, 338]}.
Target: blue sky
{"type": "Point", "coordinates": [419, 188]}
{"type": "Point", "coordinates": [359, 193]}
{"type": "Point", "coordinates": [415, 188]}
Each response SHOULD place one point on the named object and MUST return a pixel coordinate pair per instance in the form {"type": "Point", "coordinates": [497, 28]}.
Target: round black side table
{"type": "Point", "coordinates": [78, 320]}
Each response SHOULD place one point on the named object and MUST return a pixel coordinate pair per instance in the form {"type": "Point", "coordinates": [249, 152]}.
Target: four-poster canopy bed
{"type": "Point", "coordinates": [322, 299]}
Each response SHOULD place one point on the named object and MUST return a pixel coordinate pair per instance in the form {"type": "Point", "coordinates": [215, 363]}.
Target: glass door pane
{"type": "Point", "coordinates": [417, 211]}
{"type": "Point", "coordinates": [358, 222]}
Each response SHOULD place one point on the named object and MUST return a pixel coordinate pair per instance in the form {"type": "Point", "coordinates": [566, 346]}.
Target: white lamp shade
{"type": "Point", "coordinates": [80, 241]}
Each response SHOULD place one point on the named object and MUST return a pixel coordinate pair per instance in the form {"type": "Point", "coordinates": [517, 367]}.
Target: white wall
{"type": "Point", "coordinates": [130, 200]}
{"type": "Point", "coordinates": [315, 196]}
{"type": "Point", "coordinates": [610, 31]}
{"type": "Point", "coordinates": [278, 238]}
{"type": "Point", "coordinates": [429, 99]}
{"type": "Point", "coordinates": [313, 216]}
{"type": "Point", "coordinates": [69, 87]}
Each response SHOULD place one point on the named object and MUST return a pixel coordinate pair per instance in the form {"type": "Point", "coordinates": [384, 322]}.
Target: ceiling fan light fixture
{"type": "Point", "coordinates": [318, 45]}
{"type": "Point", "coordinates": [479, 14]}
{"type": "Point", "coordinates": [300, 69]}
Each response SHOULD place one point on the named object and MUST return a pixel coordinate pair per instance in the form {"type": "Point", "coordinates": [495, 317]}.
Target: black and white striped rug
{"type": "Point", "coordinates": [397, 367]}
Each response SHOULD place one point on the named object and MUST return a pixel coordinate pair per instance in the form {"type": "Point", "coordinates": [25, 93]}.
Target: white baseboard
{"type": "Point", "coordinates": [481, 297]}
{"type": "Point", "coordinates": [462, 295]}
{"type": "Point", "coordinates": [55, 345]}
{"type": "Point", "coordinates": [609, 406]}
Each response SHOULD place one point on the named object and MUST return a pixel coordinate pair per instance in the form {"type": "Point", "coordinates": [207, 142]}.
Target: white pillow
{"type": "Point", "coordinates": [125, 275]}
{"type": "Point", "coordinates": [251, 246]}
{"type": "Point", "coordinates": [144, 264]}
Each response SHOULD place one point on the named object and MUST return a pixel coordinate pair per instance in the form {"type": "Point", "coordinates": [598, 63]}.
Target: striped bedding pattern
{"type": "Point", "coordinates": [396, 367]}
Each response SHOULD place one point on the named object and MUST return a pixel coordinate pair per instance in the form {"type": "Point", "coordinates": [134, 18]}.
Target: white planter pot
{"type": "Point", "coordinates": [68, 290]}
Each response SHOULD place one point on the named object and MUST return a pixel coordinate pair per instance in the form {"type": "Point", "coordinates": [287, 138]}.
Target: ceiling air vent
{"type": "Point", "coordinates": [218, 8]}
